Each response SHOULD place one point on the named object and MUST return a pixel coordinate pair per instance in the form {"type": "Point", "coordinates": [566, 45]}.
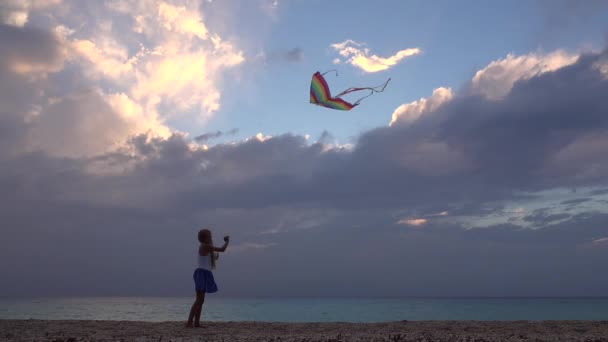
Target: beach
{"type": "Point", "coordinates": [83, 330]}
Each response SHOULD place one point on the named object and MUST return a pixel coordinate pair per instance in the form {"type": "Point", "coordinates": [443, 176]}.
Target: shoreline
{"type": "Point", "coordinates": [89, 330]}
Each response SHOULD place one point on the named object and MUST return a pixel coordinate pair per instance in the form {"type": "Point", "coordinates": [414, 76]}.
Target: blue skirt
{"type": "Point", "coordinates": [203, 281]}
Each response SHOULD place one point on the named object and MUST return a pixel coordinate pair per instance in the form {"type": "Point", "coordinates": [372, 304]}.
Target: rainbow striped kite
{"type": "Point", "coordinates": [320, 95]}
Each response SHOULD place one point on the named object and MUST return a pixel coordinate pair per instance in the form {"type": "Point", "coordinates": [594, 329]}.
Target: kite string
{"type": "Point", "coordinates": [372, 89]}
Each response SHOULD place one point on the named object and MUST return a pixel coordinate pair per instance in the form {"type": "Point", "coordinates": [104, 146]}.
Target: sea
{"type": "Point", "coordinates": [156, 309]}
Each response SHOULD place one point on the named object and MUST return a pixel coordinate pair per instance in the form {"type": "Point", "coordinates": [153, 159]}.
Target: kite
{"type": "Point", "coordinates": [320, 95]}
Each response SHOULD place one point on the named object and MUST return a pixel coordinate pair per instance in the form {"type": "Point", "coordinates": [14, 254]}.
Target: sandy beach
{"type": "Point", "coordinates": [72, 331]}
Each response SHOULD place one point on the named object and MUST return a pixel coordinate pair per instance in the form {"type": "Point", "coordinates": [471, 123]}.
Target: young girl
{"type": "Point", "coordinates": [203, 278]}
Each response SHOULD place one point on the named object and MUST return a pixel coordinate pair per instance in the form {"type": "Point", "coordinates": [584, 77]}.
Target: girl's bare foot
{"type": "Point", "coordinates": [189, 325]}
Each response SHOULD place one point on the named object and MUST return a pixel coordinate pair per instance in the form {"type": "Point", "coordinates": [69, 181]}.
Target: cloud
{"type": "Point", "coordinates": [602, 66]}
{"type": "Point", "coordinates": [576, 201]}
{"type": "Point", "coordinates": [33, 52]}
{"type": "Point", "coordinates": [180, 69]}
{"type": "Point", "coordinates": [105, 61]}
{"type": "Point", "coordinates": [102, 129]}
{"type": "Point", "coordinates": [599, 192]}
{"type": "Point", "coordinates": [92, 83]}
{"type": "Point", "coordinates": [91, 163]}
{"type": "Point", "coordinates": [489, 149]}
{"type": "Point", "coordinates": [294, 55]}
{"type": "Point", "coordinates": [483, 129]}
{"type": "Point", "coordinates": [423, 220]}
{"type": "Point", "coordinates": [53, 117]}
{"type": "Point", "coordinates": [496, 80]}
{"type": "Point", "coordinates": [16, 12]}
{"type": "Point", "coordinates": [410, 112]}
{"type": "Point", "coordinates": [542, 218]}
{"type": "Point", "coordinates": [416, 222]}
{"type": "Point", "coordinates": [176, 62]}
{"type": "Point", "coordinates": [361, 58]}
{"type": "Point", "coordinates": [214, 135]}
{"type": "Point", "coordinates": [601, 241]}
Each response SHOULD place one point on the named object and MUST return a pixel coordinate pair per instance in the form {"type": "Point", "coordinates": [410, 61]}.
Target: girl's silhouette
{"type": "Point", "coordinates": [203, 277]}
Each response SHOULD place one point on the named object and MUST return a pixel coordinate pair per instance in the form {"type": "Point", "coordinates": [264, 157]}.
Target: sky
{"type": "Point", "coordinates": [127, 126]}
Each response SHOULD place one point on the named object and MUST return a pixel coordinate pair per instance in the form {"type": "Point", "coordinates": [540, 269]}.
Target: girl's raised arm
{"type": "Point", "coordinates": [223, 248]}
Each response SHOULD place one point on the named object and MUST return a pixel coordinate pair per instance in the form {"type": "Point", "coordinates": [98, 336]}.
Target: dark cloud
{"type": "Point", "coordinates": [126, 248]}
{"type": "Point", "coordinates": [214, 135]}
{"type": "Point", "coordinates": [598, 192]}
{"type": "Point", "coordinates": [294, 55]}
{"type": "Point", "coordinates": [542, 218]}
{"type": "Point", "coordinates": [480, 149]}
{"type": "Point", "coordinates": [326, 138]}
{"type": "Point", "coordinates": [29, 46]}
{"type": "Point", "coordinates": [563, 230]}
{"type": "Point", "coordinates": [576, 201]}
{"type": "Point", "coordinates": [24, 49]}
{"type": "Point", "coordinates": [107, 223]}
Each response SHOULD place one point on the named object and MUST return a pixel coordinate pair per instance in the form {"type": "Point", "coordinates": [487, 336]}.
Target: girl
{"type": "Point", "coordinates": [203, 278]}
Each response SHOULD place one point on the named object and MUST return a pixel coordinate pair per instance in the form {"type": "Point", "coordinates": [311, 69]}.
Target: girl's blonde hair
{"type": "Point", "coordinates": [204, 237]}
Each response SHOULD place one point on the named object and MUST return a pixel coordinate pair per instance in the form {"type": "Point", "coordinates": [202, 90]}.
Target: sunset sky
{"type": "Point", "coordinates": [481, 170]}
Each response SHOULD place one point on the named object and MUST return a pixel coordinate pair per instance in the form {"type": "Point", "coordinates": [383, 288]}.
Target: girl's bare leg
{"type": "Point", "coordinates": [197, 315]}
{"type": "Point", "coordinates": [195, 310]}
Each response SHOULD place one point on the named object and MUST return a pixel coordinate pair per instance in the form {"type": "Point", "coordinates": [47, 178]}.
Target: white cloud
{"type": "Point", "coordinates": [16, 18]}
{"type": "Point", "coordinates": [136, 116]}
{"type": "Point", "coordinates": [182, 66]}
{"type": "Point", "coordinates": [415, 222]}
{"type": "Point", "coordinates": [182, 20]}
{"type": "Point", "coordinates": [493, 82]}
{"type": "Point", "coordinates": [410, 112]}
{"type": "Point", "coordinates": [602, 66]}
{"type": "Point", "coordinates": [178, 64]}
{"type": "Point", "coordinates": [443, 213]}
{"type": "Point", "coordinates": [497, 78]}
{"type": "Point", "coordinates": [519, 213]}
{"type": "Point", "coordinates": [600, 242]}
{"type": "Point", "coordinates": [261, 137]}
{"type": "Point", "coordinates": [361, 58]}
{"type": "Point", "coordinates": [103, 62]}
{"type": "Point", "coordinates": [141, 62]}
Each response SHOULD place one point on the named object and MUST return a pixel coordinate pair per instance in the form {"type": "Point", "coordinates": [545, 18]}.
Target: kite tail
{"type": "Point", "coordinates": [334, 70]}
{"type": "Point", "coordinates": [377, 89]}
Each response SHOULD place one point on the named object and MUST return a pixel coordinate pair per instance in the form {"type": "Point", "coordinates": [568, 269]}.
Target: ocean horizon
{"type": "Point", "coordinates": [305, 309]}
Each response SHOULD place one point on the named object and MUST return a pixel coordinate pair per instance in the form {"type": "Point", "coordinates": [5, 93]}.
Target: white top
{"type": "Point", "coordinates": [204, 261]}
